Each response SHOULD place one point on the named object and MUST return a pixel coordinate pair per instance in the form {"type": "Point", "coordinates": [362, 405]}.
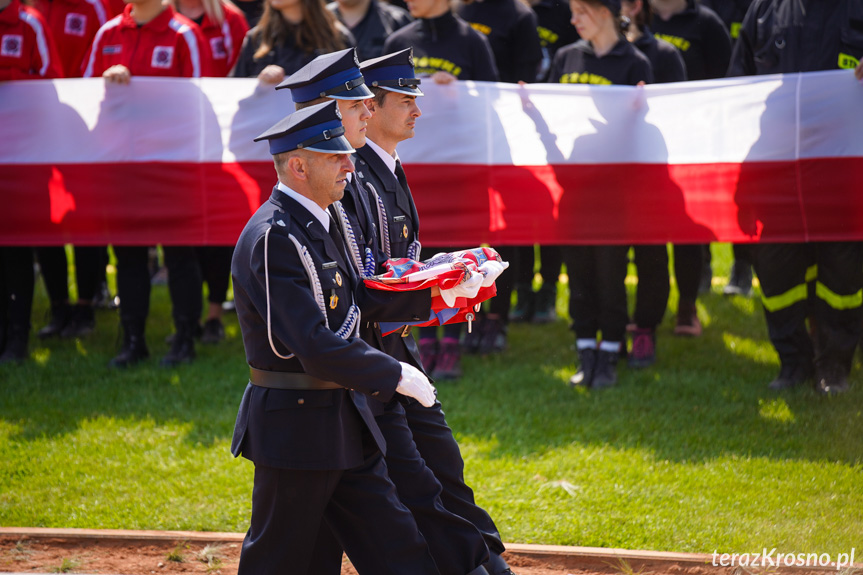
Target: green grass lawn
{"type": "Point", "coordinates": [693, 454]}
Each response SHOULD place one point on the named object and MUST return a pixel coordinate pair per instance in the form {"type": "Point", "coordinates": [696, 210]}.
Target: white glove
{"type": "Point", "coordinates": [468, 289]}
{"type": "Point", "coordinates": [491, 269]}
{"type": "Point", "coordinates": [414, 383]}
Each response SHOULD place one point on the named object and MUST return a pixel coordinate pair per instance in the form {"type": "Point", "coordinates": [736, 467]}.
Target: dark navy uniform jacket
{"type": "Point", "coordinates": [578, 64]}
{"type": "Point", "coordinates": [798, 36]}
{"type": "Point", "coordinates": [400, 221]}
{"type": "Point", "coordinates": [731, 12]}
{"type": "Point", "coordinates": [553, 23]}
{"type": "Point", "coordinates": [300, 429]}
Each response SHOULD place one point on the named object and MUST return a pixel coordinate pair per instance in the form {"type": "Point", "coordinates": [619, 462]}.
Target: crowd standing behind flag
{"type": "Point", "coordinates": [293, 33]}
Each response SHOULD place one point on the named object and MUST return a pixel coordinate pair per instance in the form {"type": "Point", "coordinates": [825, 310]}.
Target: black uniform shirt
{"type": "Point", "coordinates": [702, 39]}
{"type": "Point", "coordinates": [371, 32]}
{"type": "Point", "coordinates": [665, 60]}
{"type": "Point", "coordinates": [578, 64]}
{"type": "Point", "coordinates": [800, 36]}
{"type": "Point", "coordinates": [553, 23]}
{"type": "Point", "coordinates": [731, 12]}
{"type": "Point", "coordinates": [286, 54]}
{"type": "Point", "coordinates": [510, 27]}
{"type": "Point", "coordinates": [448, 44]}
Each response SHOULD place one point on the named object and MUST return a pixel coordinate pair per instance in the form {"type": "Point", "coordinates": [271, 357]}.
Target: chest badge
{"type": "Point", "coordinates": [334, 301]}
{"type": "Point", "coordinates": [405, 231]}
{"type": "Point", "coordinates": [338, 280]}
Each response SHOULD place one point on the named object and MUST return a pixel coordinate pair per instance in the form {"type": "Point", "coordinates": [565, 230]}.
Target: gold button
{"type": "Point", "coordinates": [301, 401]}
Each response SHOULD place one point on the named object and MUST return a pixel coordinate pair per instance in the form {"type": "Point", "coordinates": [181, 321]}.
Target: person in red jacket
{"type": "Point", "coordinates": [150, 39]}
{"type": "Point", "coordinates": [27, 51]}
{"type": "Point", "coordinates": [73, 25]}
{"type": "Point", "coordinates": [147, 39]}
{"type": "Point", "coordinates": [224, 27]}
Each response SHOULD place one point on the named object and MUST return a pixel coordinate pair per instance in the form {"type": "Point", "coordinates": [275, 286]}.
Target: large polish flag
{"type": "Point", "coordinates": [769, 158]}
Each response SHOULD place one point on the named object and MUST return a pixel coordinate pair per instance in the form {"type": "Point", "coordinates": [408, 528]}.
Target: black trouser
{"type": "Point", "coordinates": [688, 266]}
{"type": "Point", "coordinates": [89, 271]}
{"type": "Point", "coordinates": [831, 297]}
{"type": "Point", "coordinates": [742, 254]}
{"type": "Point", "coordinates": [215, 264]}
{"type": "Point", "coordinates": [359, 505]}
{"type": "Point", "coordinates": [549, 260]}
{"type": "Point", "coordinates": [185, 283]}
{"type": "Point", "coordinates": [597, 290]}
{"type": "Point", "coordinates": [16, 286]}
{"type": "Point", "coordinates": [133, 284]}
{"type": "Point", "coordinates": [651, 296]}
{"type": "Point", "coordinates": [455, 544]}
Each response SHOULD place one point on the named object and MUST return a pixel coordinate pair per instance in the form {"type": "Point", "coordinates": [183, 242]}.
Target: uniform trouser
{"type": "Point", "coordinates": [456, 545]}
{"type": "Point", "coordinates": [688, 266]}
{"type": "Point", "coordinates": [215, 264]}
{"type": "Point", "coordinates": [597, 290]}
{"type": "Point", "coordinates": [185, 283]}
{"type": "Point", "coordinates": [133, 284]}
{"type": "Point", "coordinates": [651, 295]}
{"type": "Point", "coordinates": [549, 259]}
{"type": "Point", "coordinates": [16, 286]}
{"type": "Point", "coordinates": [742, 254]}
{"type": "Point", "coordinates": [359, 505]}
{"type": "Point", "coordinates": [831, 297]}
{"type": "Point", "coordinates": [438, 447]}
{"type": "Point", "coordinates": [55, 269]}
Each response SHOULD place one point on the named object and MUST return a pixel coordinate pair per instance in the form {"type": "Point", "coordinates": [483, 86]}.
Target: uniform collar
{"type": "Point", "coordinates": [9, 15]}
{"type": "Point", "coordinates": [159, 23]}
{"type": "Point", "coordinates": [313, 208]}
{"type": "Point", "coordinates": [440, 24]}
{"type": "Point", "coordinates": [385, 157]}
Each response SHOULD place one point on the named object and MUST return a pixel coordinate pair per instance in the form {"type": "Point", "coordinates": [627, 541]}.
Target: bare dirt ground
{"type": "Point", "coordinates": [140, 557]}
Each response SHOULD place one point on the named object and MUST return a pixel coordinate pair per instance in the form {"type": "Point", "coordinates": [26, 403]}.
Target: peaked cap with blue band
{"type": "Point", "coordinates": [317, 128]}
{"type": "Point", "coordinates": [335, 75]}
{"type": "Point", "coordinates": [393, 72]}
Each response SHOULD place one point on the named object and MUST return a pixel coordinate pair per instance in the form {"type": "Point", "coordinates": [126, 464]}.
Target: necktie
{"type": "Point", "coordinates": [403, 182]}
{"type": "Point", "coordinates": [336, 235]}
{"type": "Point", "coordinates": [400, 176]}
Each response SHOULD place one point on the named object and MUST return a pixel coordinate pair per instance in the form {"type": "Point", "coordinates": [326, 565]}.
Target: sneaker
{"type": "Point", "coordinates": [428, 353]}
{"type": "Point", "coordinates": [643, 348]}
{"type": "Point", "coordinates": [81, 324]}
{"type": "Point", "coordinates": [493, 337]}
{"type": "Point", "coordinates": [448, 365]}
{"type": "Point", "coordinates": [213, 331]}
{"type": "Point", "coordinates": [587, 365]}
{"type": "Point", "coordinates": [103, 298]}
{"type": "Point", "coordinates": [740, 282]}
{"type": "Point", "coordinates": [545, 305]}
{"type": "Point", "coordinates": [791, 376]}
{"type": "Point", "coordinates": [605, 374]}
{"type": "Point", "coordinates": [687, 321]}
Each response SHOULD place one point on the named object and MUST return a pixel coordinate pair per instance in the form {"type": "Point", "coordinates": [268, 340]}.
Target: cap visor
{"type": "Point", "coordinates": [361, 92]}
{"type": "Point", "coordinates": [404, 90]}
{"type": "Point", "coordinates": [338, 145]}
